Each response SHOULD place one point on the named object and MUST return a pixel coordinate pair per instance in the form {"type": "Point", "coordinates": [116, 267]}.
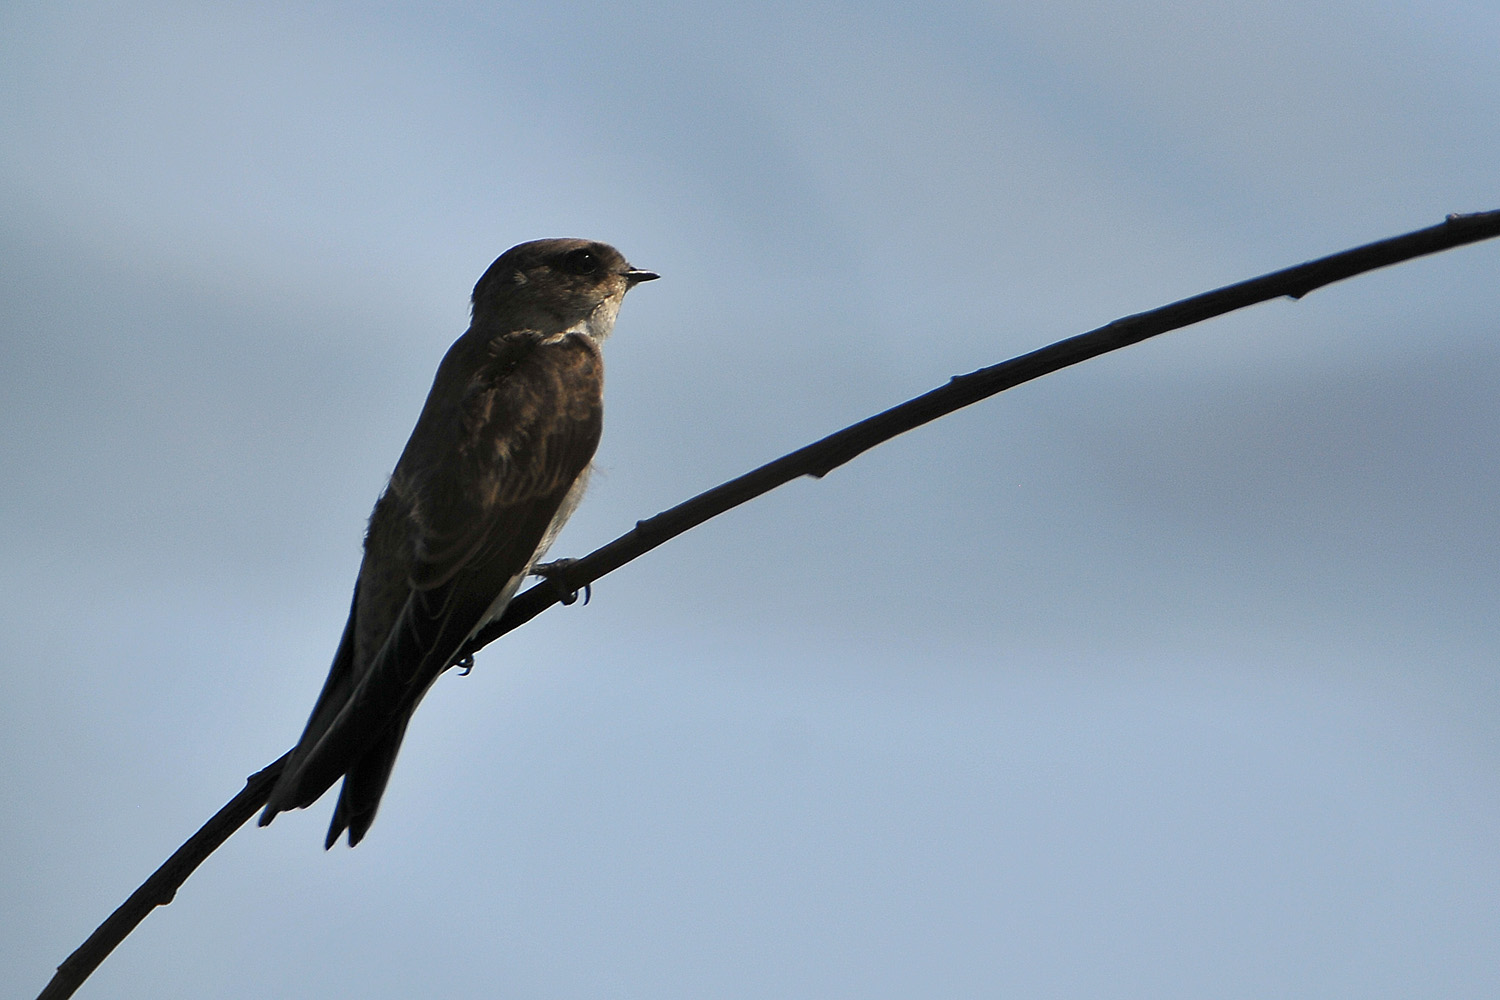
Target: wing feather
{"type": "Point", "coordinates": [469, 507]}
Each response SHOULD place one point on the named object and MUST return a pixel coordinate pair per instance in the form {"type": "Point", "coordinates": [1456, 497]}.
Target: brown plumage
{"type": "Point", "coordinates": [496, 463]}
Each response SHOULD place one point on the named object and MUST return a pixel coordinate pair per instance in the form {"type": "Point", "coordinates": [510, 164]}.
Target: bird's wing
{"type": "Point", "coordinates": [342, 677]}
{"type": "Point", "coordinates": [433, 624]}
{"type": "Point", "coordinates": [500, 463]}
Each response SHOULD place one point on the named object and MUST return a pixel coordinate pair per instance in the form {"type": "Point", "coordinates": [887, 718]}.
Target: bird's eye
{"type": "Point", "coordinates": [580, 262]}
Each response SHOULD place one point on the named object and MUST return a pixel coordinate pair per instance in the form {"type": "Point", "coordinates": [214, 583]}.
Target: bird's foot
{"type": "Point", "coordinates": [552, 571]}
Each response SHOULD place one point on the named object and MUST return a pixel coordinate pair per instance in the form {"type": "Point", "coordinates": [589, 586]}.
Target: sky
{"type": "Point", "coordinates": [1173, 674]}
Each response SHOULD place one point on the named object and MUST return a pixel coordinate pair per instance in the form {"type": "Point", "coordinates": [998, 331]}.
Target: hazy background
{"type": "Point", "coordinates": [1172, 675]}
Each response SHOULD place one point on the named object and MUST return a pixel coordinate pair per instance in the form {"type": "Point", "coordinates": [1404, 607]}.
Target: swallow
{"type": "Point", "coordinates": [497, 462]}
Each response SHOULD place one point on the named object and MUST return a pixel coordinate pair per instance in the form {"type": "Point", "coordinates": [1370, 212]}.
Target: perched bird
{"type": "Point", "coordinates": [496, 463]}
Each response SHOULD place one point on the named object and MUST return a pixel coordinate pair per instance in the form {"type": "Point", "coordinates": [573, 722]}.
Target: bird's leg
{"type": "Point", "coordinates": [552, 573]}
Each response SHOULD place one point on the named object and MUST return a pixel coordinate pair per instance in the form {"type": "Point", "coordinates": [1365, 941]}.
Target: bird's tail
{"type": "Point", "coordinates": [359, 798]}
{"type": "Point", "coordinates": [357, 726]}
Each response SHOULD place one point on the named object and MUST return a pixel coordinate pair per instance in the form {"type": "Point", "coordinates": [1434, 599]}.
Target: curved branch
{"type": "Point", "coordinates": [817, 460]}
{"type": "Point", "coordinates": [821, 457]}
{"type": "Point", "coordinates": [162, 886]}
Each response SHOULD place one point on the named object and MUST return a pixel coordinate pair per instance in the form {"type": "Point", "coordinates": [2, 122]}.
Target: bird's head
{"type": "Point", "coordinates": [556, 285]}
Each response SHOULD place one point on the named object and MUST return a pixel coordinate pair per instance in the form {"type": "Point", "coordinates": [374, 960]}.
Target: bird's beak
{"type": "Point", "coordinates": [635, 276]}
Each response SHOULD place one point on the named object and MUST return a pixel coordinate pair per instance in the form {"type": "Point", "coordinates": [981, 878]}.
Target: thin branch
{"type": "Point", "coordinates": [162, 886]}
{"type": "Point", "coordinates": [821, 457]}
{"type": "Point", "coordinates": [817, 460]}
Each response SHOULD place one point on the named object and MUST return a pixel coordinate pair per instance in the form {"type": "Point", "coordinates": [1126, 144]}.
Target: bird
{"type": "Point", "coordinates": [496, 463]}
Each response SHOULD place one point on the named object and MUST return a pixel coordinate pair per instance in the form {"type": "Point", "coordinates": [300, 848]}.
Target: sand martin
{"type": "Point", "coordinates": [496, 463]}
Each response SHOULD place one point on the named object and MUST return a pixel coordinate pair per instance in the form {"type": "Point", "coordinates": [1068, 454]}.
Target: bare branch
{"type": "Point", "coordinates": [817, 460]}
{"type": "Point", "coordinates": [162, 886]}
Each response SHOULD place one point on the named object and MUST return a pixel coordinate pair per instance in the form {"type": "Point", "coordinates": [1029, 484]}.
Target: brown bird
{"type": "Point", "coordinates": [496, 463]}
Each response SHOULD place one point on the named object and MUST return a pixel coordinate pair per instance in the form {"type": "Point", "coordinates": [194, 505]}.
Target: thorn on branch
{"type": "Point", "coordinates": [650, 527]}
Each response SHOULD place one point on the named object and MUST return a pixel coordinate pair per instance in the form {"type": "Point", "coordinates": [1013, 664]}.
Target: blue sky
{"type": "Point", "coordinates": [1170, 675]}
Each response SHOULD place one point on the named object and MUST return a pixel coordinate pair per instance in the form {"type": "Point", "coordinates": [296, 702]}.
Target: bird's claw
{"type": "Point", "coordinates": [552, 571]}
